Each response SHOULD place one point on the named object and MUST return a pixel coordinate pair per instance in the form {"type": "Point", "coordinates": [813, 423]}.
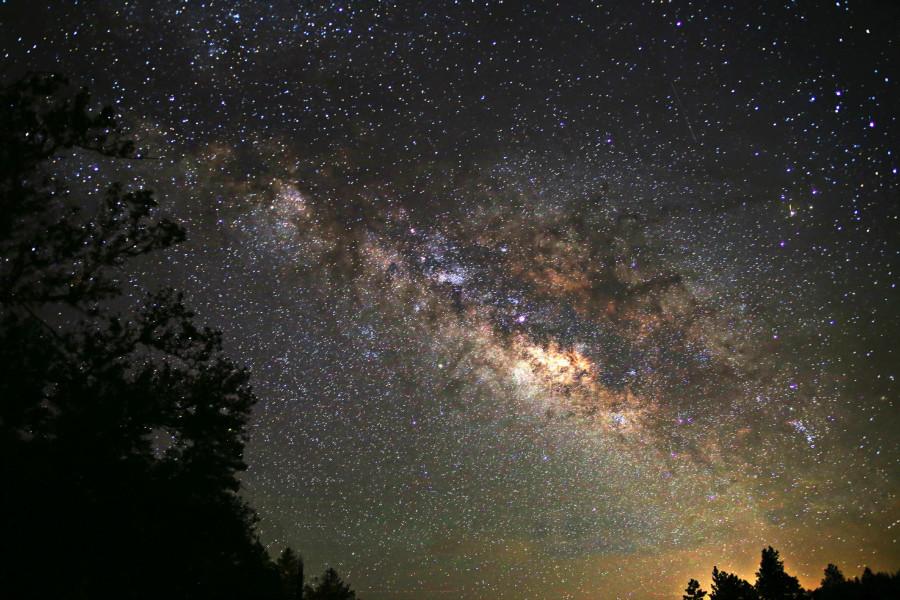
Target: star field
{"type": "Point", "coordinates": [541, 300]}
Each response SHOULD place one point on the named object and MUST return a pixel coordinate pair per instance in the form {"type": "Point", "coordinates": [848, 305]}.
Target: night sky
{"type": "Point", "coordinates": [567, 300]}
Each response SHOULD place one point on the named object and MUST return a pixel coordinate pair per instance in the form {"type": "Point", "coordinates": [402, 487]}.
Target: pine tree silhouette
{"type": "Point", "coordinates": [772, 582]}
{"type": "Point", "coordinates": [693, 591]}
{"type": "Point", "coordinates": [290, 568]}
{"type": "Point", "coordinates": [330, 587]}
{"type": "Point", "coordinates": [833, 577]}
{"type": "Point", "coordinates": [728, 586]}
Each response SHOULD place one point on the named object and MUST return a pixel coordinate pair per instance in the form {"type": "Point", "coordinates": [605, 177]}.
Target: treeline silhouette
{"type": "Point", "coordinates": [773, 583]}
{"type": "Point", "coordinates": [122, 431]}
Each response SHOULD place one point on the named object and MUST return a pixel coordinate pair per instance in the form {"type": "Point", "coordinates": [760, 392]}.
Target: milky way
{"type": "Point", "coordinates": [540, 301]}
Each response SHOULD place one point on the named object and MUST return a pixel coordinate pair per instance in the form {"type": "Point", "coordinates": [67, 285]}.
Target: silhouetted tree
{"type": "Point", "coordinates": [290, 568]}
{"type": "Point", "coordinates": [833, 577]}
{"type": "Point", "coordinates": [693, 591]}
{"type": "Point", "coordinates": [878, 586]}
{"type": "Point", "coordinates": [834, 585]}
{"type": "Point", "coordinates": [329, 587]}
{"type": "Point", "coordinates": [122, 435]}
{"type": "Point", "coordinates": [728, 586]}
{"type": "Point", "coordinates": [871, 586]}
{"type": "Point", "coordinates": [772, 582]}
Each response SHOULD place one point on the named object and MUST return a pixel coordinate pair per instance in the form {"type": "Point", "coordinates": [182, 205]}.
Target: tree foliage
{"type": "Point", "coordinates": [53, 249]}
{"type": "Point", "coordinates": [693, 591]}
{"type": "Point", "coordinates": [329, 586]}
{"type": "Point", "coordinates": [870, 586]}
{"type": "Point", "coordinates": [290, 569]}
{"type": "Point", "coordinates": [127, 430]}
{"type": "Point", "coordinates": [728, 586]}
{"type": "Point", "coordinates": [772, 582]}
{"type": "Point", "coordinates": [833, 577]}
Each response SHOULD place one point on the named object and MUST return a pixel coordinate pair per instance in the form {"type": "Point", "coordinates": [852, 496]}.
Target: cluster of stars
{"type": "Point", "coordinates": [566, 301]}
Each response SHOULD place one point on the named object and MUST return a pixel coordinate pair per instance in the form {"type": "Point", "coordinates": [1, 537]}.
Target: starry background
{"type": "Point", "coordinates": [541, 300]}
